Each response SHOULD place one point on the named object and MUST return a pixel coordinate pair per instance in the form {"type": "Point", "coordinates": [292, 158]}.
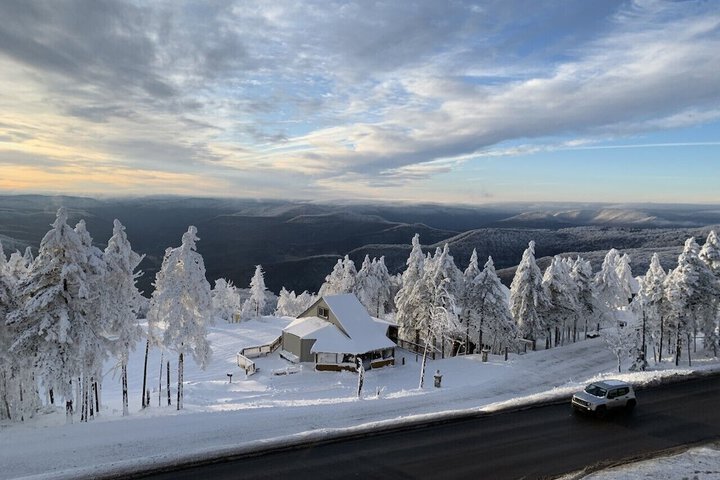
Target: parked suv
{"type": "Point", "coordinates": [599, 397]}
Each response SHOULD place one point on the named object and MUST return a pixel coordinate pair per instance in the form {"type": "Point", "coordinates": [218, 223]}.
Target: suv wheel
{"type": "Point", "coordinates": [601, 411]}
{"type": "Point", "coordinates": [630, 405]}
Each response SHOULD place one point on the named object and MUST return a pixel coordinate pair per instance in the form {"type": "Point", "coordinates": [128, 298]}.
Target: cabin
{"type": "Point", "coordinates": [335, 331]}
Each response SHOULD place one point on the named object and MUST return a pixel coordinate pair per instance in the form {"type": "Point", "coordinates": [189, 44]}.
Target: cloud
{"type": "Point", "coordinates": [341, 95]}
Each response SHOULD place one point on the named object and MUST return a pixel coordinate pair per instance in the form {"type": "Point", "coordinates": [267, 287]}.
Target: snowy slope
{"type": "Point", "coordinates": [267, 409]}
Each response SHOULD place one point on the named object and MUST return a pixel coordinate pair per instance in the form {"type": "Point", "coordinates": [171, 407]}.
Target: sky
{"type": "Point", "coordinates": [440, 101]}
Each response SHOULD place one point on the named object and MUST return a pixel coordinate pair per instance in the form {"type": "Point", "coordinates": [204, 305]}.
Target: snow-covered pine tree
{"type": "Point", "coordinates": [92, 333]}
{"type": "Point", "coordinates": [372, 285]}
{"type": "Point", "coordinates": [561, 291]}
{"type": "Point", "coordinates": [341, 280]}
{"type": "Point", "coordinates": [609, 289]}
{"type": "Point", "coordinates": [467, 319]}
{"type": "Point", "coordinates": [654, 305]}
{"type": "Point", "coordinates": [628, 283]}
{"type": "Point", "coordinates": [689, 289]}
{"type": "Point", "coordinates": [182, 304]}
{"type": "Point", "coordinates": [366, 286]}
{"type": "Point", "coordinates": [384, 296]}
{"type": "Point", "coordinates": [710, 252]}
{"type": "Point", "coordinates": [491, 317]}
{"type": "Point", "coordinates": [255, 305]}
{"type": "Point", "coordinates": [527, 297]}
{"type": "Point", "coordinates": [225, 299]}
{"type": "Point", "coordinates": [51, 299]}
{"type": "Point", "coordinates": [407, 315]}
{"type": "Point", "coordinates": [587, 303]}
{"type": "Point", "coordinates": [333, 280]}
{"type": "Point", "coordinates": [710, 255]}
{"type": "Point", "coordinates": [123, 301]}
{"type": "Point", "coordinates": [286, 303]}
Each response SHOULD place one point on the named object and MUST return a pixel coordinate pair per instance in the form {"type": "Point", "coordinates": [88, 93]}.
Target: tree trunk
{"type": "Point", "coordinates": [167, 372]}
{"type": "Point", "coordinates": [689, 337]}
{"type": "Point", "coordinates": [677, 345]}
{"type": "Point", "coordinates": [142, 394]}
{"type": "Point", "coordinates": [422, 365]}
{"type": "Point", "coordinates": [660, 347]}
{"type": "Point", "coordinates": [125, 389]}
{"type": "Point", "coordinates": [91, 394]}
{"type": "Point", "coordinates": [52, 397]}
{"type": "Point", "coordinates": [160, 380]}
{"type": "Point", "coordinates": [68, 411]}
{"type": "Point", "coordinates": [180, 384]}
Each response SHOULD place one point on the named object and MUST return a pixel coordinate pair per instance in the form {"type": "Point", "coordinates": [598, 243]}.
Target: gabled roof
{"type": "Point", "coordinates": [364, 333]}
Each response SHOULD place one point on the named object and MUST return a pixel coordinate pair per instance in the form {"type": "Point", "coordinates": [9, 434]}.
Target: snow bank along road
{"type": "Point", "coordinates": [532, 443]}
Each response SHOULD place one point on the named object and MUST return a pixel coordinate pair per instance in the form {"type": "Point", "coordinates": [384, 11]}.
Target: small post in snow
{"type": "Point", "coordinates": [229, 377]}
{"type": "Point", "coordinates": [361, 376]}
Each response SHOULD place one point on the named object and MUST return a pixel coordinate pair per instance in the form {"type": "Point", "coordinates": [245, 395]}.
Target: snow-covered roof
{"type": "Point", "coordinates": [364, 333]}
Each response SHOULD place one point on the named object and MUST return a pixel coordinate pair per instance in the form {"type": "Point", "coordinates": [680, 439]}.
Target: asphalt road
{"type": "Point", "coordinates": [535, 443]}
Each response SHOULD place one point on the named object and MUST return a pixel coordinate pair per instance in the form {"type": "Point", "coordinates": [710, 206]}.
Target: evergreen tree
{"type": "Point", "coordinates": [489, 313]}
{"type": "Point", "coordinates": [562, 292]}
{"type": "Point", "coordinates": [93, 329]}
{"type": "Point", "coordinates": [407, 312]}
{"type": "Point", "coordinates": [182, 304]}
{"type": "Point", "coordinates": [255, 305]}
{"type": "Point", "coordinates": [122, 300]}
{"type": "Point", "coordinates": [225, 300]}
{"type": "Point", "coordinates": [587, 303]}
{"type": "Point", "coordinates": [49, 317]}
{"type": "Point", "coordinates": [690, 288]}
{"type": "Point", "coordinates": [654, 305]}
{"type": "Point", "coordinates": [527, 297]}
{"type": "Point", "coordinates": [609, 288]}
{"type": "Point", "coordinates": [710, 253]}
{"type": "Point", "coordinates": [628, 283]}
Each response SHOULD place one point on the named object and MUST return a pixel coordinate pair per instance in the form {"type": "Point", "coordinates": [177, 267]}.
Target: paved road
{"type": "Point", "coordinates": [535, 443]}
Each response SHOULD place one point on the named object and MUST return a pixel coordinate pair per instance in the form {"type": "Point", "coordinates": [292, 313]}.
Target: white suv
{"type": "Point", "coordinates": [599, 397]}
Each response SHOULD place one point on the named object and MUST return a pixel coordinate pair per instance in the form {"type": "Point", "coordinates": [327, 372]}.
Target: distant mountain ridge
{"type": "Point", "coordinates": [297, 242]}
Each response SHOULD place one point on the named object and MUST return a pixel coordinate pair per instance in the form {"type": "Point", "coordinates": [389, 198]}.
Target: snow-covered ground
{"type": "Point", "coordinates": [702, 463]}
{"type": "Point", "coordinates": [266, 410]}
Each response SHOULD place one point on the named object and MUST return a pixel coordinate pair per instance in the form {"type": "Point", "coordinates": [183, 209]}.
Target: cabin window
{"type": "Point", "coordinates": [323, 312]}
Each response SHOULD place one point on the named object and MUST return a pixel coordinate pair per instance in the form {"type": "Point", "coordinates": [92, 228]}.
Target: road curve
{"type": "Point", "coordinates": [534, 443]}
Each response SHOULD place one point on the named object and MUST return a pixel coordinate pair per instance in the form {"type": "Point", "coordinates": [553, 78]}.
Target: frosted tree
{"type": "Point", "coordinates": [407, 316]}
{"type": "Point", "coordinates": [93, 329]}
{"type": "Point", "coordinates": [587, 304]}
{"type": "Point", "coordinates": [439, 318]}
{"type": "Point", "coordinates": [290, 305]}
{"type": "Point", "coordinates": [710, 252]}
{"type": "Point", "coordinates": [710, 255]}
{"type": "Point", "coordinates": [608, 287]}
{"type": "Point", "coordinates": [225, 300]}
{"type": "Point", "coordinates": [366, 285]}
{"type": "Point", "coordinates": [17, 267]}
{"type": "Point", "coordinates": [527, 297]}
{"type": "Point", "coordinates": [182, 304]}
{"type": "Point", "coordinates": [689, 289]}
{"type": "Point", "coordinates": [562, 292]}
{"type": "Point", "coordinates": [51, 299]}
{"type": "Point", "coordinates": [654, 305]}
{"type": "Point", "coordinates": [372, 286]}
{"type": "Point", "coordinates": [286, 303]}
{"type": "Point", "coordinates": [628, 283]}
{"type": "Point", "coordinates": [341, 280]}
{"type": "Point", "coordinates": [384, 293]}
{"type": "Point", "coordinates": [255, 305]}
{"type": "Point", "coordinates": [122, 301]}
{"type": "Point", "coordinates": [488, 312]}
{"type": "Point", "coordinates": [469, 275]}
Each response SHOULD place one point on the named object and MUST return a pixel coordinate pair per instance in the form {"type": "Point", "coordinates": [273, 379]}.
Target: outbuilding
{"type": "Point", "coordinates": [335, 331]}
